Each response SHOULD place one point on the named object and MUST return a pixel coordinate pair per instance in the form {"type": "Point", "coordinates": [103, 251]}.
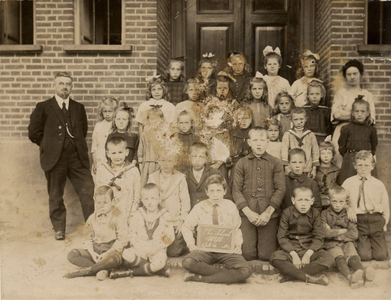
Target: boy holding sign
{"type": "Point", "coordinates": [220, 216]}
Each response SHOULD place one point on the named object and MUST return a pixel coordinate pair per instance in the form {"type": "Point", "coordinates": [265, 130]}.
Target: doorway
{"type": "Point", "coordinates": [248, 26]}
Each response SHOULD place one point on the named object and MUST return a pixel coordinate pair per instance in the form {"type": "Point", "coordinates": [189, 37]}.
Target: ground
{"type": "Point", "coordinates": [33, 263]}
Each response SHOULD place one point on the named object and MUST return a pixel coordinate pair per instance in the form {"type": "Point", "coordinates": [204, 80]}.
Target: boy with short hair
{"type": "Point", "coordinates": [150, 232]}
{"type": "Point", "coordinates": [198, 173]}
{"type": "Point", "coordinates": [106, 236]}
{"type": "Point", "coordinates": [300, 137]}
{"type": "Point", "coordinates": [369, 207]}
{"type": "Point", "coordinates": [300, 236]}
{"type": "Point", "coordinates": [340, 234]}
{"type": "Point", "coordinates": [175, 196]}
{"type": "Point", "coordinates": [297, 178]}
{"type": "Point", "coordinates": [121, 175]}
{"type": "Point", "coordinates": [258, 191]}
{"type": "Point", "coordinates": [214, 211]}
{"type": "Point", "coordinates": [327, 173]}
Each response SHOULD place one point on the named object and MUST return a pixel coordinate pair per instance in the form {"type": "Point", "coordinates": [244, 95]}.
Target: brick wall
{"type": "Point", "coordinates": [26, 79]}
{"type": "Point", "coordinates": [340, 28]}
{"type": "Point", "coordinates": [164, 35]}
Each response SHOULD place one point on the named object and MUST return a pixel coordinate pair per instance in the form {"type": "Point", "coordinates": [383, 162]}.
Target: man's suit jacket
{"type": "Point", "coordinates": [47, 130]}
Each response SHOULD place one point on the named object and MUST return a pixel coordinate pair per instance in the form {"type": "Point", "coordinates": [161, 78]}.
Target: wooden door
{"type": "Point", "coordinates": [273, 23]}
{"type": "Point", "coordinates": [220, 26]}
{"type": "Point", "coordinates": [214, 26]}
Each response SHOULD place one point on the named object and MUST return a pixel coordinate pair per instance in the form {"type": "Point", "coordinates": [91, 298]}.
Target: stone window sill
{"type": "Point", "coordinates": [126, 49]}
{"type": "Point", "coordinates": [21, 48]}
{"type": "Point", "coordinates": [383, 50]}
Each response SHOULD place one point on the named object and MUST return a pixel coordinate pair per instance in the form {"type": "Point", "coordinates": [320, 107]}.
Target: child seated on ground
{"type": "Point", "coordinates": [120, 174]}
{"type": "Point", "coordinates": [150, 233]}
{"type": "Point", "coordinates": [301, 240]}
{"type": "Point", "coordinates": [327, 173]}
{"type": "Point", "coordinates": [369, 207]}
{"type": "Point", "coordinates": [175, 196]}
{"type": "Point", "coordinates": [106, 236]}
{"type": "Point", "coordinates": [340, 234]}
{"type": "Point", "coordinates": [300, 137]}
{"type": "Point", "coordinates": [297, 178]}
{"type": "Point", "coordinates": [198, 173]}
{"type": "Point", "coordinates": [214, 211]}
{"type": "Point", "coordinates": [258, 191]}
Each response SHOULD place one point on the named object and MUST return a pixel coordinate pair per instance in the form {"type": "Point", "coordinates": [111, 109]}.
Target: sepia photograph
{"type": "Point", "coordinates": [195, 149]}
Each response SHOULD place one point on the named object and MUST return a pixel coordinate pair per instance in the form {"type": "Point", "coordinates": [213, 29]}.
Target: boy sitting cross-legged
{"type": "Point", "coordinates": [106, 236]}
{"type": "Point", "coordinates": [214, 211]}
{"type": "Point", "coordinates": [301, 240]}
{"type": "Point", "coordinates": [340, 233]}
{"type": "Point", "coordinates": [150, 232]}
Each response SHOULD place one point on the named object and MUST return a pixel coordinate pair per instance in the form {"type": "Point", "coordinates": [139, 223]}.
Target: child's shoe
{"type": "Point", "coordinates": [80, 273]}
{"type": "Point", "coordinates": [285, 278]}
{"type": "Point", "coordinates": [369, 276]}
{"type": "Point", "coordinates": [121, 273]}
{"type": "Point", "coordinates": [191, 277]}
{"type": "Point", "coordinates": [165, 272]}
{"type": "Point", "coordinates": [356, 279]}
{"type": "Point", "coordinates": [102, 275]}
{"type": "Point", "coordinates": [321, 279]}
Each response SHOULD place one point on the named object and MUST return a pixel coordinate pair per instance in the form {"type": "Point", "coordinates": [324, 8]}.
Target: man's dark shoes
{"type": "Point", "coordinates": [59, 235]}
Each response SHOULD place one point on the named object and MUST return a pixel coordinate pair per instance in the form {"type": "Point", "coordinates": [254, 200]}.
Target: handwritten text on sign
{"type": "Point", "coordinates": [214, 238]}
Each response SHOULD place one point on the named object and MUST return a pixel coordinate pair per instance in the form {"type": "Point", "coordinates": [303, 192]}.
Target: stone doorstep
{"type": "Point", "coordinates": [263, 267]}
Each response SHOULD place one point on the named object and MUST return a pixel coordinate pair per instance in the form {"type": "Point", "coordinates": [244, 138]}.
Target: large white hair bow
{"type": "Point", "coordinates": [209, 55]}
{"type": "Point", "coordinates": [258, 75]}
{"type": "Point", "coordinates": [154, 76]}
{"type": "Point", "coordinates": [309, 53]}
{"type": "Point", "coordinates": [269, 49]}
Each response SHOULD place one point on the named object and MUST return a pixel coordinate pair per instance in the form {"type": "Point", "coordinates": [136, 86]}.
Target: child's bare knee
{"type": "Point", "coordinates": [72, 255]}
{"type": "Point", "coordinates": [129, 255]}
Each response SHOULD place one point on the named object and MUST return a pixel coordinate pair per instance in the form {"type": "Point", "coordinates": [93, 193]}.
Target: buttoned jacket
{"type": "Point", "coordinates": [259, 183]}
{"type": "Point", "coordinates": [47, 129]}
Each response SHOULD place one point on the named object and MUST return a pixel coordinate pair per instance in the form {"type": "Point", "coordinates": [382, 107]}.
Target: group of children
{"type": "Point", "coordinates": [249, 153]}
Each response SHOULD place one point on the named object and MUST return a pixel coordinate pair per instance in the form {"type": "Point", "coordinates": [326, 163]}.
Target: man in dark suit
{"type": "Point", "coordinates": [59, 127]}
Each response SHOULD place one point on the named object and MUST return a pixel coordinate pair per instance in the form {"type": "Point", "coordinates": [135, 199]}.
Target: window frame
{"type": "Point", "coordinates": [78, 47]}
{"type": "Point", "coordinates": [365, 48]}
{"type": "Point", "coordinates": [24, 48]}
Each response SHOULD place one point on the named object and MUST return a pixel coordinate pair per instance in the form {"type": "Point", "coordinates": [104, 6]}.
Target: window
{"type": "Point", "coordinates": [17, 22]}
{"type": "Point", "coordinates": [100, 22]}
{"type": "Point", "coordinates": [379, 22]}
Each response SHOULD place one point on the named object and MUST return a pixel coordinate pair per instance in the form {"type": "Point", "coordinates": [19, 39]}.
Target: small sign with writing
{"type": "Point", "coordinates": [215, 238]}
